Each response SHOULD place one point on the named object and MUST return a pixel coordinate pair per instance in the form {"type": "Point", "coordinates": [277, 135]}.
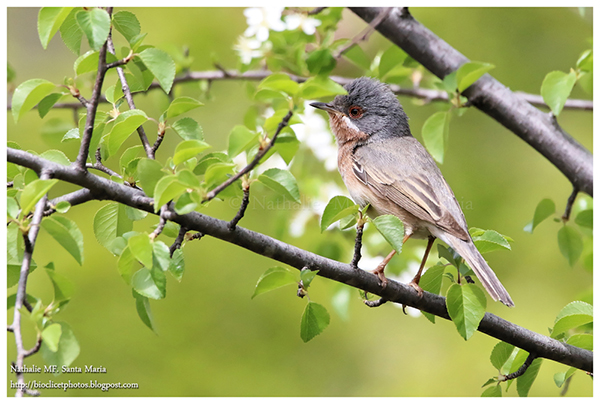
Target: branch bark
{"type": "Point", "coordinates": [538, 129]}
{"type": "Point", "coordinates": [492, 325]}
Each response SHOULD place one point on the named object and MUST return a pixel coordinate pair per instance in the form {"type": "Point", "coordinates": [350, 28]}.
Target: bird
{"type": "Point", "coordinates": [385, 167]}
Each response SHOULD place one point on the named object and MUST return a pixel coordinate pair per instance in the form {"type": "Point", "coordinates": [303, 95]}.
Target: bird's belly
{"type": "Point", "coordinates": [363, 195]}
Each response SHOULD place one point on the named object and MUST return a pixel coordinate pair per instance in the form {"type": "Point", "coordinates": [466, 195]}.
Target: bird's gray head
{"type": "Point", "coordinates": [371, 107]}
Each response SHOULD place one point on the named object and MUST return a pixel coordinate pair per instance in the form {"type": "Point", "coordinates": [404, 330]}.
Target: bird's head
{"type": "Point", "coordinates": [369, 110]}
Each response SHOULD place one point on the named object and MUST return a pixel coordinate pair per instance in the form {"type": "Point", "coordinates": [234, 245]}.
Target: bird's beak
{"type": "Point", "coordinates": [325, 107]}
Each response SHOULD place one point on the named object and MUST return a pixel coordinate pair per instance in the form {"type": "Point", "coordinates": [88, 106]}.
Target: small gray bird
{"type": "Point", "coordinates": [384, 166]}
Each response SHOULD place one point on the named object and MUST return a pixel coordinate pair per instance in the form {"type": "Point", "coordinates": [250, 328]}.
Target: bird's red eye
{"type": "Point", "coordinates": [355, 112]}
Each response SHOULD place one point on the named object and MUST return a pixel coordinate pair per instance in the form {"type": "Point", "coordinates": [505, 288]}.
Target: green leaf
{"type": "Point", "coordinates": [67, 234]}
{"type": "Point", "coordinates": [392, 57]}
{"type": "Point", "coordinates": [33, 192]}
{"type": "Point", "coordinates": [556, 88]}
{"type": "Point", "coordinates": [570, 244]}
{"type": "Point", "coordinates": [466, 307]}
{"type": "Point", "coordinates": [149, 173]}
{"type": "Point", "coordinates": [188, 149]}
{"type": "Point", "coordinates": [70, 32]}
{"type": "Point", "coordinates": [273, 278]}
{"type": "Point", "coordinates": [435, 135]}
{"type": "Point", "coordinates": [341, 301]}
{"type": "Point", "coordinates": [470, 72]}
{"type": "Point", "coordinates": [501, 354]}
{"type": "Point", "coordinates": [126, 265]}
{"type": "Point", "coordinates": [111, 221]}
{"type": "Point", "coordinates": [585, 341]}
{"type": "Point", "coordinates": [51, 336]}
{"type": "Point", "coordinates": [144, 283]}
{"type": "Point", "coordinates": [95, 24]}
{"type": "Point", "coordinates": [317, 87]}
{"type": "Point", "coordinates": [307, 276]}
{"type": "Point", "coordinates": [56, 156]}
{"type": "Point", "coordinates": [286, 144]}
{"type": "Point", "coordinates": [217, 173]}
{"type": "Point", "coordinates": [431, 281]}
{"type": "Point", "coordinates": [88, 62]}
{"type": "Point", "coordinates": [68, 348]}
{"type": "Point", "coordinates": [161, 65]}
{"type": "Point", "coordinates": [241, 139]}
{"type": "Point", "coordinates": [585, 218]}
{"type": "Point", "coordinates": [358, 56]}
{"type": "Point", "coordinates": [282, 182]}
{"type": "Point", "coordinates": [586, 61]}
{"type": "Point", "coordinates": [492, 391]}
{"type": "Point", "coordinates": [392, 229]}
{"type": "Point", "coordinates": [167, 188]}
{"type": "Point", "coordinates": [188, 129]}
{"type": "Point", "coordinates": [450, 255]}
{"type": "Point", "coordinates": [63, 286]}
{"type": "Point", "coordinates": [181, 105]}
{"type": "Point", "coordinates": [314, 320]}
{"type": "Point", "coordinates": [543, 210]}
{"type": "Point", "coordinates": [141, 248]}
{"type": "Point", "coordinates": [49, 21]}
{"type": "Point", "coordinates": [320, 62]}
{"type": "Point", "coordinates": [525, 381]}
{"type": "Point", "coordinates": [279, 82]}
{"type": "Point", "coordinates": [12, 207]}
{"type": "Point", "coordinates": [177, 265]}
{"type": "Point", "coordinates": [142, 305]}
{"type": "Point", "coordinates": [561, 377]}
{"type": "Point", "coordinates": [124, 125]}
{"type": "Point", "coordinates": [28, 94]}
{"type": "Point", "coordinates": [337, 208]}
{"type": "Point", "coordinates": [47, 103]}
{"type": "Point", "coordinates": [573, 315]}
{"type": "Point", "coordinates": [490, 240]}
{"type": "Point", "coordinates": [127, 24]}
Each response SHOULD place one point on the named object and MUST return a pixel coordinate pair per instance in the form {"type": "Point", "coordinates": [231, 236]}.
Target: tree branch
{"type": "Point", "coordinates": [261, 153]}
{"type": "Point", "coordinates": [129, 98]}
{"type": "Point", "coordinates": [538, 129]}
{"type": "Point", "coordinates": [426, 94]}
{"type": "Point", "coordinates": [492, 325]}
{"type": "Point", "coordinates": [30, 237]}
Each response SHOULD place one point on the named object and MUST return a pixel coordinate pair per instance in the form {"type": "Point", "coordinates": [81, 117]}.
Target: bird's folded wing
{"type": "Point", "coordinates": [409, 181]}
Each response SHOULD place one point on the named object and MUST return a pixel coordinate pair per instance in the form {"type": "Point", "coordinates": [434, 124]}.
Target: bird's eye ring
{"type": "Point", "coordinates": [355, 112]}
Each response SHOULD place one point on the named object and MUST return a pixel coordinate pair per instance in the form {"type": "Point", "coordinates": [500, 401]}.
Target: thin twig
{"type": "Point", "coordinates": [178, 241]}
{"type": "Point", "coordinates": [521, 370]}
{"type": "Point", "coordinates": [425, 94]}
{"type": "Point", "coordinates": [243, 206]}
{"type": "Point", "coordinates": [261, 153]}
{"type": "Point", "coordinates": [569, 207]}
{"type": "Point", "coordinates": [162, 222]}
{"type": "Point", "coordinates": [130, 102]}
{"type": "Point", "coordinates": [357, 244]}
{"type": "Point", "coordinates": [30, 238]}
{"type": "Point", "coordinates": [375, 303]}
{"type": "Point", "coordinates": [92, 107]}
{"type": "Point", "coordinates": [364, 34]}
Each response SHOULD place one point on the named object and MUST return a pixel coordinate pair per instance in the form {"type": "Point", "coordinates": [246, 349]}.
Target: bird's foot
{"type": "Point", "coordinates": [382, 279]}
{"type": "Point", "coordinates": [416, 286]}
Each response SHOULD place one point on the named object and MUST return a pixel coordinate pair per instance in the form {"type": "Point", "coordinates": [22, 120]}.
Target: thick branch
{"type": "Point", "coordinates": [540, 345]}
{"type": "Point", "coordinates": [538, 129]}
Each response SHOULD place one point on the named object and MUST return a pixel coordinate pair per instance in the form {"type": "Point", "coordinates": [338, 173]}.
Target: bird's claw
{"type": "Point", "coordinates": [382, 279]}
{"type": "Point", "coordinates": [416, 286]}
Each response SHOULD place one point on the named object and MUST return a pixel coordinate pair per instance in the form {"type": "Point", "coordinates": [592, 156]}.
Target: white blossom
{"type": "Point", "coordinates": [308, 24]}
{"type": "Point", "coordinates": [248, 49]}
{"type": "Point", "coordinates": [261, 20]}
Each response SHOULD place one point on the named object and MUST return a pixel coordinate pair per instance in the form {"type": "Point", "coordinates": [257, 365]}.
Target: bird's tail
{"type": "Point", "coordinates": [484, 273]}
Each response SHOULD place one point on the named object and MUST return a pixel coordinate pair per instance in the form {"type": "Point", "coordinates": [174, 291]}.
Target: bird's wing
{"type": "Point", "coordinates": [401, 170]}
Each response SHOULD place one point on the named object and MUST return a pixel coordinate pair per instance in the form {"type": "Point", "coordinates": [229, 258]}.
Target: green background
{"type": "Point", "coordinates": [213, 340]}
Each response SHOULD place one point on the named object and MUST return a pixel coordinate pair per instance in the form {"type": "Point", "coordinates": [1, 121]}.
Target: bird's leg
{"type": "Point", "coordinates": [380, 268]}
{"type": "Point", "coordinates": [415, 281]}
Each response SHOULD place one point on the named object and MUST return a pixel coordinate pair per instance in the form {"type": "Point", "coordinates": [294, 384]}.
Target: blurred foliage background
{"type": "Point", "coordinates": [213, 340]}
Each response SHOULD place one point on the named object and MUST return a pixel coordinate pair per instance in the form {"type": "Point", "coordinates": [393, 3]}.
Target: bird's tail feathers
{"type": "Point", "coordinates": [484, 273]}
